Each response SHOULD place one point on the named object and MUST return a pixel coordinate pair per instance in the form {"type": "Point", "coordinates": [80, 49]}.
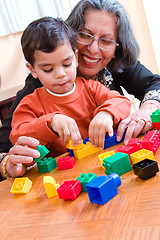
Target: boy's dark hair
{"type": "Point", "coordinates": [45, 34]}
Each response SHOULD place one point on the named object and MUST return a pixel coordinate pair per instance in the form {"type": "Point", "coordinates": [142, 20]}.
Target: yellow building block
{"type": "Point", "coordinates": [141, 155]}
{"type": "Point", "coordinates": [70, 145]}
{"type": "Point", "coordinates": [50, 186]}
{"type": "Point", "coordinates": [87, 150]}
{"type": "Point", "coordinates": [21, 185]}
{"type": "Point", "coordinates": [102, 156]}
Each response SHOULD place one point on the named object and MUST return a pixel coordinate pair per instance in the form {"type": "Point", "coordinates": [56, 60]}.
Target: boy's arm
{"type": "Point", "coordinates": [29, 121]}
{"type": "Point", "coordinates": [111, 101]}
{"type": "Point", "coordinates": [111, 109]}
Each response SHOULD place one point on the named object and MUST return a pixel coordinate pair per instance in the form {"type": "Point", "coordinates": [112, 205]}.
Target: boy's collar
{"type": "Point", "coordinates": [62, 94]}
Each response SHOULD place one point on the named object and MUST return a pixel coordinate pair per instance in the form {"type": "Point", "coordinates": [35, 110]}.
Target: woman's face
{"type": "Point", "coordinates": [91, 58]}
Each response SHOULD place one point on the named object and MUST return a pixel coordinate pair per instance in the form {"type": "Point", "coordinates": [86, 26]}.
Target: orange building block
{"type": "Point", "coordinates": [78, 146]}
{"type": "Point", "coordinates": [141, 155]}
{"type": "Point", "coordinates": [87, 150]}
{"type": "Point", "coordinates": [50, 186]}
{"type": "Point", "coordinates": [21, 185]}
{"type": "Point", "coordinates": [102, 156]}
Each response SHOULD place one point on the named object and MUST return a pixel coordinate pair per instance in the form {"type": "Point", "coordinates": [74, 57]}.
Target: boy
{"type": "Point", "coordinates": [65, 106]}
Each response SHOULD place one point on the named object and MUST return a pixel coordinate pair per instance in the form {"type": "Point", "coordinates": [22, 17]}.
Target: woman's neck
{"type": "Point", "coordinates": [86, 77]}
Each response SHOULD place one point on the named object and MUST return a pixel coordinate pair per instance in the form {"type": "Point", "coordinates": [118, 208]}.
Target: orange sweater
{"type": "Point", "coordinates": [34, 114]}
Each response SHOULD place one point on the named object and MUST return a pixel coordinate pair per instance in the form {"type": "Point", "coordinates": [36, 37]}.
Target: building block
{"type": "Point", "coordinates": [118, 163]}
{"type": "Point", "coordinates": [151, 141]}
{"type": "Point", "coordinates": [70, 152]}
{"type": "Point", "coordinates": [43, 152]}
{"type": "Point", "coordinates": [21, 185]}
{"type": "Point", "coordinates": [155, 116]}
{"type": "Point", "coordinates": [126, 149]}
{"type": "Point", "coordinates": [66, 163]}
{"type": "Point", "coordinates": [103, 188]}
{"type": "Point", "coordinates": [86, 178]}
{"type": "Point", "coordinates": [69, 189]}
{"type": "Point", "coordinates": [136, 143]}
{"type": "Point", "coordinates": [50, 186]}
{"type": "Point", "coordinates": [146, 169]}
{"type": "Point", "coordinates": [156, 125]}
{"type": "Point", "coordinates": [78, 146]}
{"type": "Point", "coordinates": [105, 155]}
{"type": "Point", "coordinates": [86, 151]}
{"type": "Point", "coordinates": [111, 141]}
{"type": "Point", "coordinates": [46, 165]}
{"type": "Point", "coordinates": [141, 155]}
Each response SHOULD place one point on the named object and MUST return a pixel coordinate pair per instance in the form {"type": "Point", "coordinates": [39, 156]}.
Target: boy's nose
{"type": "Point", "coordinates": [60, 73]}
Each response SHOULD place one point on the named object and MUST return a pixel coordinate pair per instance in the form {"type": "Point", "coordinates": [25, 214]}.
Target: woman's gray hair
{"type": "Point", "coordinates": [127, 52]}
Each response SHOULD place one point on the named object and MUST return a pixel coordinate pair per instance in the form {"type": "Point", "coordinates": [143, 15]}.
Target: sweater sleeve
{"type": "Point", "coordinates": [29, 120]}
{"type": "Point", "coordinates": [138, 80]}
{"type": "Point", "coordinates": [111, 101]}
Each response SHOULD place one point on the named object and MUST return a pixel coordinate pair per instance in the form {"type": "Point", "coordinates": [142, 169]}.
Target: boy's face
{"type": "Point", "coordinates": [56, 70]}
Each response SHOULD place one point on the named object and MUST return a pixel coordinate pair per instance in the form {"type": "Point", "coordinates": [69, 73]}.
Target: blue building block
{"type": "Point", "coordinates": [46, 165]}
{"type": "Point", "coordinates": [111, 141]}
{"type": "Point", "coordinates": [70, 151]}
{"type": "Point", "coordinates": [43, 152]}
{"type": "Point", "coordinates": [86, 178]}
{"type": "Point", "coordinates": [103, 188]}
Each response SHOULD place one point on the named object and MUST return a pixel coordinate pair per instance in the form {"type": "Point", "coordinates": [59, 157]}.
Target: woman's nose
{"type": "Point", "coordinates": [93, 48]}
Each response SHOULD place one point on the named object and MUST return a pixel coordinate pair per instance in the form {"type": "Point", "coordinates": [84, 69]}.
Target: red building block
{"type": "Point", "coordinates": [69, 189]}
{"type": "Point", "coordinates": [66, 163]}
{"type": "Point", "coordinates": [126, 149]}
{"type": "Point", "coordinates": [136, 143]}
{"type": "Point", "coordinates": [151, 141]}
{"type": "Point", "coordinates": [156, 125]}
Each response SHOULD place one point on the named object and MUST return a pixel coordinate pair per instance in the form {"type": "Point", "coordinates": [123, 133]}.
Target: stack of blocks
{"type": "Point", "coordinates": [102, 188]}
{"type": "Point", "coordinates": [86, 149]}
{"type": "Point", "coordinates": [155, 118]}
{"type": "Point", "coordinates": [151, 141]}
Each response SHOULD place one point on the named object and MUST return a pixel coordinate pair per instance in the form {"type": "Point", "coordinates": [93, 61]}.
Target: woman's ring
{"type": "Point", "coordinates": [139, 120]}
{"type": "Point", "coordinates": [143, 120]}
{"type": "Point", "coordinates": [134, 120]}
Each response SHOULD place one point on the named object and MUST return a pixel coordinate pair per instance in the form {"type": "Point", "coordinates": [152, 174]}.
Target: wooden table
{"type": "Point", "coordinates": [134, 214]}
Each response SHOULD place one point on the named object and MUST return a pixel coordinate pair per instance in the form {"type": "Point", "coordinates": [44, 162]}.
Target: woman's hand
{"type": "Point", "coordinates": [138, 122]}
{"type": "Point", "coordinates": [21, 156]}
{"type": "Point", "coordinates": [101, 124]}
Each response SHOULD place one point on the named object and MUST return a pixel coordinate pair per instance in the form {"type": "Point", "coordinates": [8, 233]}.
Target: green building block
{"type": "Point", "coordinates": [43, 152]}
{"type": "Point", "coordinates": [118, 163]}
{"type": "Point", "coordinates": [86, 178]}
{"type": "Point", "coordinates": [155, 116]}
{"type": "Point", "coordinates": [46, 165]}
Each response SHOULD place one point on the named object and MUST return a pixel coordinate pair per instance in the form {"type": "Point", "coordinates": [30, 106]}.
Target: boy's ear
{"type": "Point", "coordinates": [32, 70]}
{"type": "Point", "coordinates": [76, 54]}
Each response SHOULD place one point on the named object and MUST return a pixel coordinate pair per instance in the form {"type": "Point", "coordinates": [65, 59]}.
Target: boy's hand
{"type": "Point", "coordinates": [66, 127]}
{"type": "Point", "coordinates": [101, 124]}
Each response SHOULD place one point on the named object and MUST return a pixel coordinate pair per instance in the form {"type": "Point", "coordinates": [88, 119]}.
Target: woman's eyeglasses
{"type": "Point", "coordinates": [103, 43]}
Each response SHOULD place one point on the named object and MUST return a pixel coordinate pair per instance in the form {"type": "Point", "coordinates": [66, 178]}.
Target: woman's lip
{"type": "Point", "coordinates": [89, 60]}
